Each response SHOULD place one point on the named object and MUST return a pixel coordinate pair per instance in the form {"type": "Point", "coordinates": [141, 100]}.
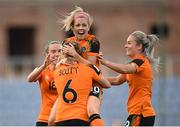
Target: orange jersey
{"type": "Point", "coordinates": [48, 94]}
{"type": "Point", "coordinates": [140, 88]}
{"type": "Point", "coordinates": [73, 84]}
{"type": "Point", "coordinates": [90, 46]}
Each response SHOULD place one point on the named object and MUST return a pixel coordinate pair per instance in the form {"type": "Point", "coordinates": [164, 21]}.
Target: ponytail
{"type": "Point", "coordinates": [149, 51]}
{"type": "Point", "coordinates": [148, 46]}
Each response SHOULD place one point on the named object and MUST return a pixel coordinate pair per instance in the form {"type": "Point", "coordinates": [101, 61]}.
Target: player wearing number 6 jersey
{"type": "Point", "coordinates": [44, 74]}
{"type": "Point", "coordinates": [73, 82]}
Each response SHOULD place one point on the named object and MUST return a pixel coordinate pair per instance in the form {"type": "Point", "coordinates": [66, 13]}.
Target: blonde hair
{"type": "Point", "coordinates": [69, 19]}
{"type": "Point", "coordinates": [148, 46]}
{"type": "Point", "coordinates": [50, 43]}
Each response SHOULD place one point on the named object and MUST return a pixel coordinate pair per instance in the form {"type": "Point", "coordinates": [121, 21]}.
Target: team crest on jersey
{"type": "Point", "coordinates": [47, 78]}
{"type": "Point", "coordinates": [83, 49]}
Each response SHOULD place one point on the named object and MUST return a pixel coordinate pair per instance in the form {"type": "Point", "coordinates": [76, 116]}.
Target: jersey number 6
{"type": "Point", "coordinates": [68, 89]}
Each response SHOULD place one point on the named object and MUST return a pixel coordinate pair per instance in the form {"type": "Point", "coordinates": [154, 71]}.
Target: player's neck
{"type": "Point", "coordinates": [51, 67]}
{"type": "Point", "coordinates": [71, 60]}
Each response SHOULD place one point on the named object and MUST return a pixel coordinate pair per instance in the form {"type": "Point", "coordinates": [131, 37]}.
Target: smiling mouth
{"type": "Point", "coordinates": [81, 32]}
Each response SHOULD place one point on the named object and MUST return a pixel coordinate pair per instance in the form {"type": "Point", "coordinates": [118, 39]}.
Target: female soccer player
{"type": "Point", "coordinates": [80, 22]}
{"type": "Point", "coordinates": [73, 81]}
{"type": "Point", "coordinates": [44, 74]}
{"type": "Point", "coordinates": [138, 73]}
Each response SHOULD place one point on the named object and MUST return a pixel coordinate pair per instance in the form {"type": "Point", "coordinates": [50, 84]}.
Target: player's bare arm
{"type": "Point", "coordinates": [118, 80]}
{"type": "Point", "coordinates": [51, 120]}
{"type": "Point", "coordinates": [120, 68]}
{"type": "Point", "coordinates": [104, 82]}
{"type": "Point", "coordinates": [34, 75]}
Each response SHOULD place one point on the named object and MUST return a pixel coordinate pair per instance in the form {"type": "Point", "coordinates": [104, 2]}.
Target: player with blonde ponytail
{"type": "Point", "coordinates": [138, 73]}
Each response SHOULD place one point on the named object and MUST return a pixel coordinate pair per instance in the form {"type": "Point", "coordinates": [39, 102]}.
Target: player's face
{"type": "Point", "coordinates": [54, 52]}
{"type": "Point", "coordinates": [80, 28]}
{"type": "Point", "coordinates": [131, 46]}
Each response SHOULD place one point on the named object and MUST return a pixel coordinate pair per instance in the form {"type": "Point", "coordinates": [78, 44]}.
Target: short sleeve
{"type": "Point", "coordinates": [139, 63]}
{"type": "Point", "coordinates": [96, 73]}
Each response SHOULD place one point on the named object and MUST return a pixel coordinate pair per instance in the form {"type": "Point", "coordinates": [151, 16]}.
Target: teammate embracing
{"type": "Point", "coordinates": [80, 22]}
{"type": "Point", "coordinates": [73, 81]}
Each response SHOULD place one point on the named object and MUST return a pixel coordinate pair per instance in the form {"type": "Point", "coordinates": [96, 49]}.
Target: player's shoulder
{"type": "Point", "coordinates": [45, 71]}
{"type": "Point", "coordinates": [92, 38]}
{"type": "Point", "coordinates": [139, 60]}
{"type": "Point", "coordinates": [95, 68]}
{"type": "Point", "coordinates": [90, 67]}
{"type": "Point", "coordinates": [84, 66]}
{"type": "Point", "coordinates": [94, 44]}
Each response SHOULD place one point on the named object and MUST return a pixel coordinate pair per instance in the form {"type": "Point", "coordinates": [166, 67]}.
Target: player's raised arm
{"type": "Point", "coordinates": [34, 75]}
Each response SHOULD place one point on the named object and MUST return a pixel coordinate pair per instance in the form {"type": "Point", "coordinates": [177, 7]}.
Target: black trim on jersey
{"type": "Point", "coordinates": [94, 45]}
{"type": "Point", "coordinates": [95, 91]}
{"type": "Point", "coordinates": [139, 62]}
{"type": "Point", "coordinates": [38, 123]}
{"type": "Point", "coordinates": [96, 69]}
{"type": "Point", "coordinates": [94, 116]}
{"type": "Point", "coordinates": [73, 122]}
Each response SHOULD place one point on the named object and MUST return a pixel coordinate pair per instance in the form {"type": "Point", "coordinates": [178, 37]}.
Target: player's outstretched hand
{"type": "Point", "coordinates": [101, 59]}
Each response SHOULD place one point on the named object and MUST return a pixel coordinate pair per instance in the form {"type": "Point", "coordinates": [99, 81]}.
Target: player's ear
{"type": "Point", "coordinates": [139, 46]}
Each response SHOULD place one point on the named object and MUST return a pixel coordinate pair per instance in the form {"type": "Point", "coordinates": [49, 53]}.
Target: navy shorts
{"type": "Point", "coordinates": [139, 120]}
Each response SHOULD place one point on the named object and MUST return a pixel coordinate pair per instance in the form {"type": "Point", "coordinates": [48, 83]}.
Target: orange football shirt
{"type": "Point", "coordinates": [90, 46]}
{"type": "Point", "coordinates": [48, 94]}
{"type": "Point", "coordinates": [73, 84]}
{"type": "Point", "coordinates": [140, 88]}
